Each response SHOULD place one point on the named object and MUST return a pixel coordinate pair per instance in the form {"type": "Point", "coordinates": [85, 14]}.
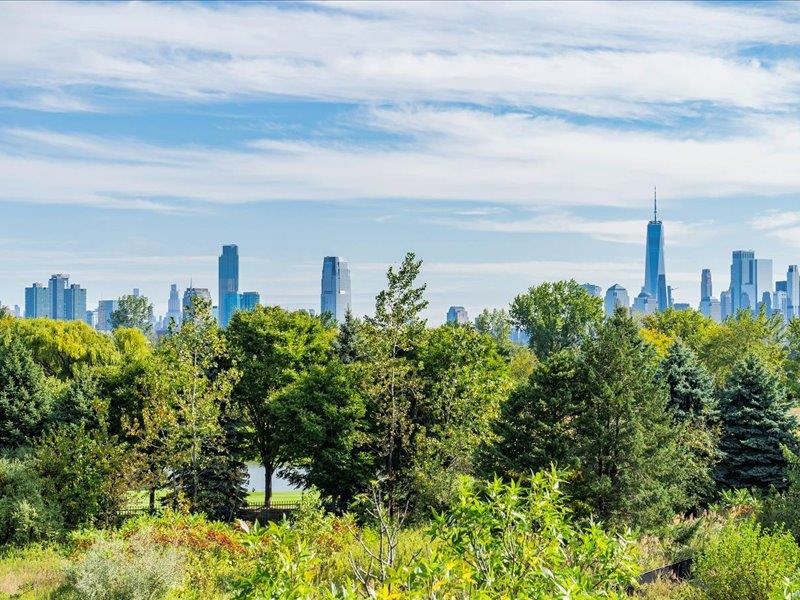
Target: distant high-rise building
{"type": "Point", "coordinates": [55, 295]}
{"type": "Point", "coordinates": [249, 301]}
{"type": "Point", "coordinates": [655, 279]}
{"type": "Point", "coordinates": [36, 302]}
{"type": "Point", "coordinates": [682, 306]}
{"type": "Point", "coordinates": [228, 283]}
{"type": "Point", "coordinates": [644, 304]}
{"type": "Point", "coordinates": [706, 290]}
{"type": "Point", "coordinates": [725, 305]}
{"type": "Point", "coordinates": [75, 303]}
{"type": "Point", "coordinates": [793, 292]}
{"type": "Point", "coordinates": [457, 315]}
{"type": "Point", "coordinates": [104, 310]}
{"type": "Point", "coordinates": [191, 293]}
{"type": "Point", "coordinates": [174, 312]}
{"type": "Point", "coordinates": [593, 290]}
{"type": "Point", "coordinates": [91, 318]}
{"type": "Point", "coordinates": [616, 296]}
{"type": "Point", "coordinates": [750, 278]}
{"type": "Point", "coordinates": [335, 284]}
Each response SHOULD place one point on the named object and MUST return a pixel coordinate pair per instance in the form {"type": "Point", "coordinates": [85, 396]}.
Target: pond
{"type": "Point", "coordinates": [256, 483]}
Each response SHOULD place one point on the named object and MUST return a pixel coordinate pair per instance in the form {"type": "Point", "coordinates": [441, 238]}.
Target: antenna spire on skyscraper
{"type": "Point", "coordinates": [655, 205]}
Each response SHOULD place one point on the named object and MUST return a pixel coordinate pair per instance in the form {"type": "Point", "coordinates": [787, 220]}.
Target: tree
{"type": "Point", "coordinates": [271, 349]}
{"type": "Point", "coordinates": [496, 323]}
{"type": "Point", "coordinates": [25, 398]}
{"type": "Point", "coordinates": [556, 315]}
{"type": "Point", "coordinates": [465, 379]}
{"type": "Point", "coordinates": [756, 426]}
{"type": "Point", "coordinates": [135, 312]}
{"type": "Point", "coordinates": [87, 474]}
{"type": "Point", "coordinates": [692, 403]}
{"type": "Point", "coordinates": [394, 386]}
{"type": "Point", "coordinates": [631, 453]}
{"type": "Point", "coordinates": [322, 417]}
{"type": "Point", "coordinates": [185, 394]}
{"type": "Point", "coordinates": [536, 427]}
{"type": "Point", "coordinates": [691, 390]}
{"type": "Point", "coordinates": [348, 343]}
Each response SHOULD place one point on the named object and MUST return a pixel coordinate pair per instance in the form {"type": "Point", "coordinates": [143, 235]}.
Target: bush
{"type": "Point", "coordinates": [25, 516]}
{"type": "Point", "coordinates": [136, 570]}
{"type": "Point", "coordinates": [86, 474]}
{"type": "Point", "coordinates": [746, 562]}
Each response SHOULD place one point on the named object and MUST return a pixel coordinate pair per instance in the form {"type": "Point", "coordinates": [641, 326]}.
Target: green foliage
{"type": "Point", "coordinates": [691, 390]}
{"type": "Point", "coordinates": [62, 347]}
{"type": "Point", "coordinates": [86, 474]}
{"type": "Point", "coordinates": [26, 515]}
{"type": "Point", "coordinates": [271, 349]}
{"type": "Point", "coordinates": [745, 562]}
{"type": "Point", "coordinates": [133, 312]}
{"type": "Point", "coordinates": [756, 425]}
{"type": "Point", "coordinates": [496, 323]}
{"type": "Point", "coordinates": [127, 570]}
{"type": "Point", "coordinates": [536, 427]}
{"type": "Point", "coordinates": [556, 316]}
{"type": "Point", "coordinates": [25, 399]}
{"type": "Point", "coordinates": [324, 412]}
{"type": "Point", "coordinates": [465, 380]}
{"type": "Point", "coordinates": [517, 540]}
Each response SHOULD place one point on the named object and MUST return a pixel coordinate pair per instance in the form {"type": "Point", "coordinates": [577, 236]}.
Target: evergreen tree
{"type": "Point", "coordinates": [631, 454]}
{"type": "Point", "coordinates": [691, 390]}
{"type": "Point", "coordinates": [692, 403]}
{"type": "Point", "coordinates": [536, 427]}
{"type": "Point", "coordinates": [348, 342]}
{"type": "Point", "coordinates": [756, 425]}
{"type": "Point", "coordinates": [25, 400]}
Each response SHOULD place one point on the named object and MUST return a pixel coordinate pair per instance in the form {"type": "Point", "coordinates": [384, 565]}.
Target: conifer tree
{"type": "Point", "coordinates": [756, 425]}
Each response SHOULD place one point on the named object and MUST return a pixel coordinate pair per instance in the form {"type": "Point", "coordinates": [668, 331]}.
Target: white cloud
{"type": "Point", "coordinates": [611, 59]}
{"type": "Point", "coordinates": [451, 154]}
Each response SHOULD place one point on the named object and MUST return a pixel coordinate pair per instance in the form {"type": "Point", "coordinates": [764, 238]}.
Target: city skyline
{"type": "Point", "coordinates": [505, 145]}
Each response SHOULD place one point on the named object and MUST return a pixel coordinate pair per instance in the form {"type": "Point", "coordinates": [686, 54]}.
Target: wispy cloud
{"type": "Point", "coordinates": [611, 59]}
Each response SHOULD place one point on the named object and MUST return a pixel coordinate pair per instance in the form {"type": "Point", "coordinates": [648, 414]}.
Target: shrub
{"type": "Point", "coordinates": [746, 562]}
{"type": "Point", "coordinates": [136, 570]}
{"type": "Point", "coordinates": [25, 516]}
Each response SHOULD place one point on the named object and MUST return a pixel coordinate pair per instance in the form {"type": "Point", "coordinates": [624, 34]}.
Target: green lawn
{"type": "Point", "coordinates": [141, 499]}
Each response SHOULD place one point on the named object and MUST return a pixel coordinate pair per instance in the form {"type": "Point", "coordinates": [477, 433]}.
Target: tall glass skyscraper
{"type": "Point", "coordinates": [616, 296]}
{"type": "Point", "coordinates": [750, 279]}
{"type": "Point", "coordinates": [249, 300]}
{"type": "Point", "coordinates": [335, 296]}
{"type": "Point", "coordinates": [792, 292]}
{"type": "Point", "coordinates": [655, 279]}
{"type": "Point", "coordinates": [228, 283]}
{"type": "Point", "coordinates": [36, 304]}
{"type": "Point", "coordinates": [75, 303]}
{"type": "Point", "coordinates": [706, 290]}
{"type": "Point", "coordinates": [104, 310]}
{"type": "Point", "coordinates": [457, 315]}
{"type": "Point", "coordinates": [55, 295]}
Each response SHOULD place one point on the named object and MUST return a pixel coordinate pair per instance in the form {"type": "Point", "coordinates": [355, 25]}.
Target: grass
{"type": "Point", "coordinates": [141, 499]}
{"type": "Point", "coordinates": [32, 572]}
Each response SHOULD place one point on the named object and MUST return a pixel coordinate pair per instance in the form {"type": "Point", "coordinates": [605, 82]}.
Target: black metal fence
{"type": "Point", "coordinates": [678, 570]}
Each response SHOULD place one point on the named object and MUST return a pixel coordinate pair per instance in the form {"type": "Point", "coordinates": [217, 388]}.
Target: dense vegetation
{"type": "Point", "coordinates": [439, 462]}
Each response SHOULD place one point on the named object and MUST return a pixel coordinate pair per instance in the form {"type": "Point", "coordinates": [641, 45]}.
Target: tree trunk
{"type": "Point", "coordinates": [152, 499]}
{"type": "Point", "coordinates": [268, 472]}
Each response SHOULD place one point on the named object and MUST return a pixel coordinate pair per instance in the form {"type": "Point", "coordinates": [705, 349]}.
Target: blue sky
{"type": "Point", "coordinates": [505, 144]}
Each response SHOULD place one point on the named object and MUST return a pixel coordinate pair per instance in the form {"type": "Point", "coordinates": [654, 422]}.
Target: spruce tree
{"type": "Point", "coordinates": [756, 425]}
{"type": "Point", "coordinates": [692, 403]}
{"type": "Point", "coordinates": [25, 400]}
{"type": "Point", "coordinates": [691, 390]}
{"type": "Point", "coordinates": [536, 427]}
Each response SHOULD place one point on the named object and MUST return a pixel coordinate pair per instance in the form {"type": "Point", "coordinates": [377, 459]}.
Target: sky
{"type": "Point", "coordinates": [504, 144]}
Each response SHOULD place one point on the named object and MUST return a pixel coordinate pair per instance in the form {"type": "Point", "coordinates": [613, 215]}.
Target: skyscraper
{"type": "Point", "coordinates": [104, 310]}
{"type": "Point", "coordinates": [55, 295]}
{"type": "Point", "coordinates": [457, 315]}
{"type": "Point", "coordinates": [655, 279]}
{"type": "Point", "coordinates": [616, 296]}
{"type": "Point", "coordinates": [173, 307]}
{"type": "Point", "coordinates": [743, 292]}
{"type": "Point", "coordinates": [725, 305]}
{"type": "Point", "coordinates": [335, 296]}
{"type": "Point", "coordinates": [706, 290]}
{"type": "Point", "coordinates": [36, 304]}
{"type": "Point", "coordinates": [228, 283]}
{"type": "Point", "coordinates": [593, 290]}
{"type": "Point", "coordinates": [189, 294]}
{"type": "Point", "coordinates": [75, 303]}
{"type": "Point", "coordinates": [249, 300]}
{"type": "Point", "coordinates": [793, 292]}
